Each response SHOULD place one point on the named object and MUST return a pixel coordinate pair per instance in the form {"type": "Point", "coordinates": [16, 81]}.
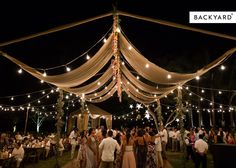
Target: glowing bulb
{"type": "Point", "coordinates": [68, 69]}
{"type": "Point", "coordinates": [20, 71]}
{"type": "Point", "coordinates": [220, 92]}
{"type": "Point", "coordinates": [222, 67]}
{"type": "Point", "coordinates": [123, 63]}
{"type": "Point", "coordinates": [168, 76]}
{"type": "Point", "coordinates": [137, 77]}
{"type": "Point", "coordinates": [28, 96]}
{"type": "Point", "coordinates": [129, 47]}
{"type": "Point", "coordinates": [42, 81]}
{"type": "Point", "coordinates": [99, 83]}
{"type": "Point", "coordinates": [104, 40]}
{"type": "Point", "coordinates": [118, 30]}
{"type": "Point", "coordinates": [12, 98]}
{"type": "Point", "coordinates": [87, 57]}
{"type": "Point", "coordinates": [203, 91]}
{"type": "Point", "coordinates": [44, 74]}
{"type": "Point", "coordinates": [147, 65]}
{"type": "Point", "coordinates": [197, 77]}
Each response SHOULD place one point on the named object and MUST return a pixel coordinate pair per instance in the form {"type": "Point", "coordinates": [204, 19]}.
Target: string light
{"type": "Point", "coordinates": [222, 67]}
{"type": "Point", "coordinates": [20, 71]}
{"type": "Point", "coordinates": [197, 78]}
{"type": "Point", "coordinates": [130, 47]}
{"type": "Point", "coordinates": [44, 74]}
{"type": "Point", "coordinates": [104, 40]}
{"type": "Point", "coordinates": [147, 65]}
{"type": "Point", "coordinates": [68, 69]}
{"type": "Point", "coordinates": [87, 57]}
{"type": "Point", "coordinates": [118, 30]}
{"type": "Point", "coordinates": [168, 76]}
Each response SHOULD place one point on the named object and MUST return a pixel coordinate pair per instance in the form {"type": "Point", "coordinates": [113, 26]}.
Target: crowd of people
{"type": "Point", "coordinates": [144, 147]}
{"type": "Point", "coordinates": [127, 148]}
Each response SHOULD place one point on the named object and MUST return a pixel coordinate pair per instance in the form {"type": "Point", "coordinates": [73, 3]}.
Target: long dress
{"type": "Point", "coordinates": [151, 156]}
{"type": "Point", "coordinates": [91, 157]}
{"type": "Point", "coordinates": [128, 158]}
{"type": "Point", "coordinates": [82, 161]}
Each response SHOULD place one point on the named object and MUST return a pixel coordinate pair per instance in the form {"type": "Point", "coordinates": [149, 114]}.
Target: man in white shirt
{"type": "Point", "coordinates": [201, 148]}
{"type": "Point", "coordinates": [164, 140]}
{"type": "Point", "coordinates": [107, 147]}
{"type": "Point", "coordinates": [73, 141]}
{"type": "Point", "coordinates": [18, 154]}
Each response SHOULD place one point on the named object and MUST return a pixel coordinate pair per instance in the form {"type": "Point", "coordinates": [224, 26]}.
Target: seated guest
{"type": "Point", "coordinates": [18, 153]}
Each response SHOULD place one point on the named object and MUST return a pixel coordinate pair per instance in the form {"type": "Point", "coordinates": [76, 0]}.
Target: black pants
{"type": "Point", "coordinates": [200, 159]}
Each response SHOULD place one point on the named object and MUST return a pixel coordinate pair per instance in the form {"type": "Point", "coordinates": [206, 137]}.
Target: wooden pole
{"type": "Point", "coordinates": [26, 120]}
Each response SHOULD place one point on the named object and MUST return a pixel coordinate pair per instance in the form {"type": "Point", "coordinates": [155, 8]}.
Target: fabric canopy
{"type": "Point", "coordinates": [103, 87]}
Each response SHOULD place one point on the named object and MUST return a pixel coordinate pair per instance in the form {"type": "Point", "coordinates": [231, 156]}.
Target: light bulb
{"type": "Point", "coordinates": [197, 77]}
{"type": "Point", "coordinates": [168, 76]}
{"type": "Point", "coordinates": [222, 67]}
{"type": "Point", "coordinates": [68, 69]}
{"type": "Point", "coordinates": [20, 71]}
{"type": "Point", "coordinates": [44, 74]}
{"type": "Point", "coordinates": [104, 40]}
{"type": "Point", "coordinates": [87, 57]}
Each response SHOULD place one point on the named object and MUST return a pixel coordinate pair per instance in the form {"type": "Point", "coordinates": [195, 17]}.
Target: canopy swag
{"type": "Point", "coordinates": [122, 60]}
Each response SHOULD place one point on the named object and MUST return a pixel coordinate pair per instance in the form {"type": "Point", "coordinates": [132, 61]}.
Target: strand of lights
{"type": "Point", "coordinates": [213, 89]}
{"type": "Point", "coordinates": [201, 98]}
{"type": "Point", "coordinates": [82, 55]}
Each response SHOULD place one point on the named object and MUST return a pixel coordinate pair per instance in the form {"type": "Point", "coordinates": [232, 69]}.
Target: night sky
{"type": "Point", "coordinates": [174, 49]}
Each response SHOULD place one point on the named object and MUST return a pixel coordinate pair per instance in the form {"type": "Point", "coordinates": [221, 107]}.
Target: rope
{"type": "Point", "coordinates": [176, 25]}
{"type": "Point", "coordinates": [53, 30]}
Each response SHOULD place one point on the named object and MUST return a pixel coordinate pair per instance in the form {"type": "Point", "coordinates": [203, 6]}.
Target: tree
{"type": "Point", "coordinates": [38, 119]}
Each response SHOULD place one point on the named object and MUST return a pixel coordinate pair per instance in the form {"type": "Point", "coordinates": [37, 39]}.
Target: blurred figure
{"type": "Point", "coordinates": [18, 154]}
{"type": "Point", "coordinates": [73, 141]}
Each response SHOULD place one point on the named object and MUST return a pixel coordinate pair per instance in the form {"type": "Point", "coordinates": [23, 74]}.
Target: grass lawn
{"type": "Point", "coordinates": [177, 161]}
{"type": "Point", "coordinates": [51, 162]}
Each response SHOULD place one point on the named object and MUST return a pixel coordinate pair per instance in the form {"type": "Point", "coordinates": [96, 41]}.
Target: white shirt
{"type": "Point", "coordinates": [72, 135]}
{"type": "Point", "coordinates": [201, 145]}
{"type": "Point", "coordinates": [108, 146]}
{"type": "Point", "coordinates": [171, 133]}
{"type": "Point", "coordinates": [18, 153]}
{"type": "Point", "coordinates": [164, 135]}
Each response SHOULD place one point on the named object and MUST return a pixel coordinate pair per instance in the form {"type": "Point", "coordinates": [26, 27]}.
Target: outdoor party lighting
{"type": "Point", "coordinates": [118, 30]}
{"type": "Point", "coordinates": [20, 71]}
{"type": "Point", "coordinates": [87, 57]}
{"type": "Point", "coordinates": [42, 81]}
{"type": "Point", "coordinates": [123, 63]}
{"type": "Point", "coordinates": [168, 76]}
{"type": "Point", "coordinates": [68, 69]}
{"type": "Point", "coordinates": [28, 96]}
{"type": "Point", "coordinates": [222, 67]}
{"type": "Point", "coordinates": [129, 47]}
{"type": "Point", "coordinates": [44, 74]}
{"type": "Point", "coordinates": [197, 77]}
{"type": "Point", "coordinates": [220, 92]}
{"type": "Point", "coordinates": [203, 91]}
{"type": "Point", "coordinates": [147, 65]}
{"type": "Point", "coordinates": [104, 40]}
